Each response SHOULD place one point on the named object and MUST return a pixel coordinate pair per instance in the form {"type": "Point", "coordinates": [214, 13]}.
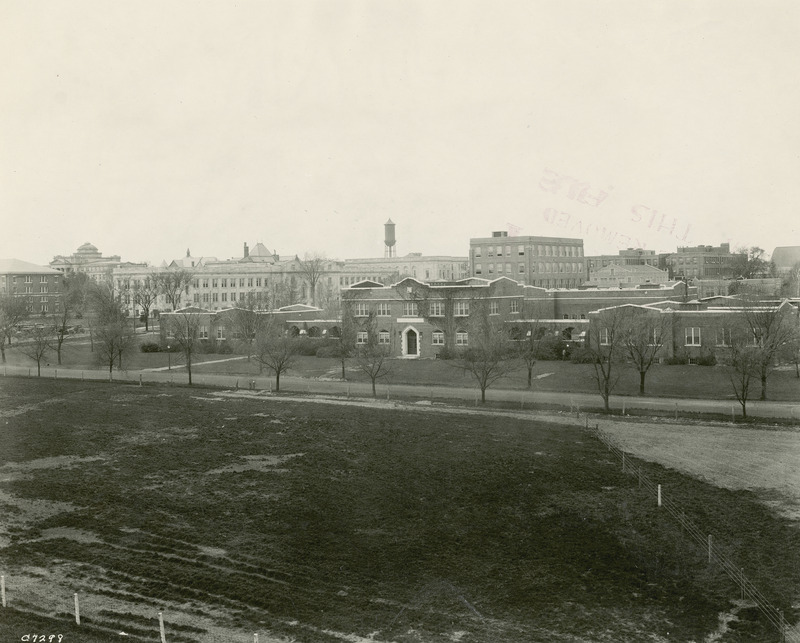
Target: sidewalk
{"type": "Point", "coordinates": [525, 399]}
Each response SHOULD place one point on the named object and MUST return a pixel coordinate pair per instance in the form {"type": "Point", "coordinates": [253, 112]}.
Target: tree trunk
{"type": "Point", "coordinates": [374, 389]}
{"type": "Point", "coordinates": [38, 368]}
{"type": "Point", "coordinates": [744, 409]}
{"type": "Point", "coordinates": [277, 381]}
{"type": "Point", "coordinates": [344, 376]}
{"type": "Point", "coordinates": [3, 350]}
{"type": "Point", "coordinates": [763, 386]}
{"type": "Point", "coordinates": [530, 376]}
{"type": "Point", "coordinates": [147, 323]}
{"type": "Point", "coordinates": [189, 368]}
{"type": "Point", "coordinates": [483, 395]}
{"type": "Point", "coordinates": [641, 381]}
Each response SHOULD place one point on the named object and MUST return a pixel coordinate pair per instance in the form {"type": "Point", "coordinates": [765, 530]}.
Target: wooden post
{"type": "Point", "coordinates": [3, 589]}
{"type": "Point", "coordinates": [161, 627]}
{"type": "Point", "coordinates": [77, 610]}
{"type": "Point", "coordinates": [710, 545]}
{"type": "Point", "coordinates": [659, 495]}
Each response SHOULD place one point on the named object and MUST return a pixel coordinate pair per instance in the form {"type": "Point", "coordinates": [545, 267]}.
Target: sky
{"type": "Point", "coordinates": [148, 128]}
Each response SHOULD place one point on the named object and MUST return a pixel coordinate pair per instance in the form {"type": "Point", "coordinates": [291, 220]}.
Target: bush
{"type": "Point", "coordinates": [224, 348]}
{"type": "Point", "coordinates": [707, 360]}
{"type": "Point", "coordinates": [551, 347]}
{"type": "Point", "coordinates": [150, 347]}
{"type": "Point", "coordinates": [677, 360]}
{"type": "Point", "coordinates": [328, 350]}
{"type": "Point", "coordinates": [583, 356]}
{"type": "Point", "coordinates": [446, 353]}
{"type": "Point", "coordinates": [308, 346]}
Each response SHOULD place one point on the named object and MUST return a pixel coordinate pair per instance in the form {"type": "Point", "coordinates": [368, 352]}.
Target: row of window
{"type": "Point", "coordinates": [435, 308]}
{"type": "Point", "coordinates": [437, 338]}
{"type": "Point", "coordinates": [216, 297]}
{"type": "Point", "coordinates": [542, 267]}
{"type": "Point", "coordinates": [692, 337]}
{"type": "Point", "coordinates": [540, 250]}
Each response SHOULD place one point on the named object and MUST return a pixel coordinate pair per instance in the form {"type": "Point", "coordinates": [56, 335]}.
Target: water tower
{"type": "Point", "coordinates": [388, 239]}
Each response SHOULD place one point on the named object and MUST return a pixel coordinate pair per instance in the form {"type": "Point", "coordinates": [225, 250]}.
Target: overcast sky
{"type": "Point", "coordinates": [148, 127]}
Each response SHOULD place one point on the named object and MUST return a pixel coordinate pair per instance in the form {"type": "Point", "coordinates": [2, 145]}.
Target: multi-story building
{"type": "Point", "coordinates": [39, 285]}
{"type": "Point", "coordinates": [89, 260]}
{"type": "Point", "coordinates": [547, 262]}
{"type": "Point", "coordinates": [627, 257]}
{"type": "Point", "coordinates": [626, 276]}
{"type": "Point", "coordinates": [700, 262]}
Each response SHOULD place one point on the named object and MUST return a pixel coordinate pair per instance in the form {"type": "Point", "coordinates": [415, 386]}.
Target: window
{"type": "Point", "coordinates": [724, 337]}
{"type": "Point", "coordinates": [438, 338]}
{"type": "Point", "coordinates": [28, 279]}
{"type": "Point", "coordinates": [28, 289]}
{"type": "Point", "coordinates": [693, 336]}
{"type": "Point", "coordinates": [241, 282]}
{"type": "Point", "coordinates": [205, 283]}
{"type": "Point", "coordinates": [224, 296]}
{"type": "Point", "coordinates": [205, 297]}
{"type": "Point", "coordinates": [491, 268]}
{"type": "Point", "coordinates": [521, 267]}
{"type": "Point", "coordinates": [196, 298]}
{"type": "Point", "coordinates": [461, 338]}
{"type": "Point", "coordinates": [195, 283]}
{"type": "Point", "coordinates": [508, 268]}
{"type": "Point", "coordinates": [494, 307]}
{"type": "Point", "coordinates": [508, 251]}
{"type": "Point", "coordinates": [478, 269]}
{"type": "Point", "coordinates": [514, 305]}
{"type": "Point", "coordinates": [410, 309]}
{"type": "Point", "coordinates": [499, 268]}
{"type": "Point", "coordinates": [655, 337]}
{"type": "Point", "coordinates": [203, 332]}
{"type": "Point", "coordinates": [224, 283]}
{"type": "Point", "coordinates": [462, 308]}
{"type": "Point", "coordinates": [258, 282]}
{"type": "Point", "coordinates": [42, 288]}
{"type": "Point", "coordinates": [44, 308]}
{"type": "Point", "coordinates": [249, 282]}
{"type": "Point", "coordinates": [214, 283]}
{"type": "Point", "coordinates": [214, 297]}
{"type": "Point", "coordinates": [384, 309]}
{"type": "Point", "coordinates": [604, 337]}
{"type": "Point", "coordinates": [361, 309]}
{"type": "Point", "coordinates": [477, 252]}
{"type": "Point", "coordinates": [383, 337]}
{"type": "Point", "coordinates": [521, 251]}
{"type": "Point", "coordinates": [361, 337]}
{"type": "Point", "coordinates": [437, 309]}
{"type": "Point", "coordinates": [220, 334]}
{"type": "Point", "coordinates": [43, 279]}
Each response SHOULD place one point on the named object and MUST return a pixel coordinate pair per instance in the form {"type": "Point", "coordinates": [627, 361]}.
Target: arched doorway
{"type": "Point", "coordinates": [410, 346]}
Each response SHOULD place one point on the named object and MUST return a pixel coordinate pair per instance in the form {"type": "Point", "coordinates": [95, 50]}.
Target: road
{"type": "Point", "coordinates": [525, 399]}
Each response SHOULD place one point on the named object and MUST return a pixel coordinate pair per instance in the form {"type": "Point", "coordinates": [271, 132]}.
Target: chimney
{"type": "Point", "coordinates": [246, 250]}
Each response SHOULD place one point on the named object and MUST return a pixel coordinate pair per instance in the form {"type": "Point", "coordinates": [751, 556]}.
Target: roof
{"type": "Point", "coordinates": [8, 266]}
{"type": "Point", "coordinates": [786, 256]}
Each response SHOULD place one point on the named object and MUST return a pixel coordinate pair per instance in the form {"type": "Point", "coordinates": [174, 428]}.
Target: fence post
{"type": "Point", "coordinates": [3, 589]}
{"type": "Point", "coordinates": [161, 627]}
{"type": "Point", "coordinates": [77, 610]}
{"type": "Point", "coordinates": [659, 495]}
{"type": "Point", "coordinates": [710, 545]}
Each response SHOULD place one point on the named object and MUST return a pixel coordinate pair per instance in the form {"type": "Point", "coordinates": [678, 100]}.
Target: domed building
{"type": "Point", "coordinates": [87, 258]}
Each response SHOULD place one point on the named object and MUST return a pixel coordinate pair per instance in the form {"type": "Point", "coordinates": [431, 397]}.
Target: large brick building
{"type": "Point", "coordinates": [40, 286]}
{"type": "Point", "coordinates": [547, 262]}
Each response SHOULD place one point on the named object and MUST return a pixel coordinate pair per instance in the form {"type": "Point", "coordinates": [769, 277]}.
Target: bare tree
{"type": "Point", "coordinates": [742, 362]}
{"type": "Point", "coordinates": [114, 340]}
{"type": "Point", "coordinates": [144, 294]}
{"type": "Point", "coordinates": [312, 267]}
{"type": "Point", "coordinates": [173, 283]}
{"type": "Point", "coordinates": [13, 310]}
{"type": "Point", "coordinates": [488, 357]}
{"type": "Point", "coordinates": [438, 308]}
{"type": "Point", "coordinates": [643, 338]}
{"type": "Point", "coordinates": [605, 342]}
{"type": "Point", "coordinates": [527, 334]}
{"type": "Point", "coordinates": [182, 328]}
{"type": "Point", "coordinates": [371, 355]}
{"type": "Point", "coordinates": [38, 341]}
{"type": "Point", "coordinates": [244, 321]}
{"type": "Point", "coordinates": [771, 326]}
{"type": "Point", "coordinates": [276, 349]}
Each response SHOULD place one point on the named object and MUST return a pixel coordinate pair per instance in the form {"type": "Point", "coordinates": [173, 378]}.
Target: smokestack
{"type": "Point", "coordinates": [246, 250]}
{"type": "Point", "coordinates": [388, 239]}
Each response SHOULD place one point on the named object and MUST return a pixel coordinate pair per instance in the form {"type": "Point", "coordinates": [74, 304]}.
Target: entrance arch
{"type": "Point", "coordinates": [410, 345]}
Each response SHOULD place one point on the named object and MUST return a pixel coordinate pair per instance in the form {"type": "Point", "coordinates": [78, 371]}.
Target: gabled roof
{"type": "Point", "coordinates": [19, 266]}
{"type": "Point", "coordinates": [297, 308]}
{"type": "Point", "coordinates": [189, 310]}
{"type": "Point", "coordinates": [368, 283]}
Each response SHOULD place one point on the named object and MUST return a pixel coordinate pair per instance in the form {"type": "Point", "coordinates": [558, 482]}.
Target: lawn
{"type": "Point", "coordinates": [319, 522]}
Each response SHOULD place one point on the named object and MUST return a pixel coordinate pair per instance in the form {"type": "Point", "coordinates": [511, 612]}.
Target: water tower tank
{"type": "Point", "coordinates": [388, 239]}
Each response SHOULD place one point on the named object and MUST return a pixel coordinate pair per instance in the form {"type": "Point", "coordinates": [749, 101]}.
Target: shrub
{"type": "Point", "coordinates": [328, 350]}
{"type": "Point", "coordinates": [551, 347]}
{"type": "Point", "coordinates": [583, 356]}
{"type": "Point", "coordinates": [308, 346]}
{"type": "Point", "coordinates": [446, 353]}
{"type": "Point", "coordinates": [707, 360]}
{"type": "Point", "coordinates": [677, 360]}
{"type": "Point", "coordinates": [150, 347]}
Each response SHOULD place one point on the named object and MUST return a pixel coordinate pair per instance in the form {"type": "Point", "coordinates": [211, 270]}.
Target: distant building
{"type": "Point", "coordinates": [89, 260]}
{"type": "Point", "coordinates": [700, 262]}
{"type": "Point", "coordinates": [785, 258]}
{"type": "Point", "coordinates": [39, 285]}
{"type": "Point", "coordinates": [627, 276]}
{"type": "Point", "coordinates": [546, 262]}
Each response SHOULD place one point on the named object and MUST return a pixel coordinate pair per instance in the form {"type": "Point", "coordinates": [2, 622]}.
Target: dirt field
{"type": "Point", "coordinates": [236, 513]}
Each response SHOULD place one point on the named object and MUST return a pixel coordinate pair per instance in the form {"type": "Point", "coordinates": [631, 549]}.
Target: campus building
{"type": "Point", "coordinates": [700, 262]}
{"type": "Point", "coordinates": [88, 259]}
{"type": "Point", "coordinates": [626, 276]}
{"type": "Point", "coordinates": [40, 286]}
{"type": "Point", "coordinates": [546, 262]}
